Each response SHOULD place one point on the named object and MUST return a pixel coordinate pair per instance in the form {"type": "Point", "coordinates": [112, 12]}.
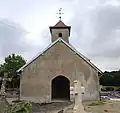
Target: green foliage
{"type": "Point", "coordinates": [118, 89]}
{"type": "Point", "coordinates": [11, 64]}
{"type": "Point", "coordinates": [11, 89]}
{"type": "Point", "coordinates": [22, 107]}
{"type": "Point", "coordinates": [110, 78]}
{"type": "Point", "coordinates": [111, 88]}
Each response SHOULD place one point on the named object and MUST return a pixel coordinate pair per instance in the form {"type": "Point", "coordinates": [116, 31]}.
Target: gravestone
{"type": "Point", "coordinates": [4, 80]}
{"type": "Point", "coordinates": [3, 101]}
{"type": "Point", "coordinates": [2, 90]}
{"type": "Point", "coordinates": [78, 91]}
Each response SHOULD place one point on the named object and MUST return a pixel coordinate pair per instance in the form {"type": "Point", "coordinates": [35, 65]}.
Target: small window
{"type": "Point", "coordinates": [60, 35]}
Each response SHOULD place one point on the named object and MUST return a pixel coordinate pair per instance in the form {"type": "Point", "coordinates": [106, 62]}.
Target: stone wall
{"type": "Point", "coordinates": [58, 60]}
{"type": "Point", "coordinates": [55, 32]}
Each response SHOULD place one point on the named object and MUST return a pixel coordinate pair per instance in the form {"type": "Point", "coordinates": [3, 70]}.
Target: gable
{"type": "Point", "coordinates": [69, 48]}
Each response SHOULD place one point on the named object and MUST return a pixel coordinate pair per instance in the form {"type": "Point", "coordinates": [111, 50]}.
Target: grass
{"type": "Point", "coordinates": [116, 88]}
{"type": "Point", "coordinates": [11, 89]}
{"type": "Point", "coordinates": [97, 103]}
{"type": "Point", "coordinates": [107, 106]}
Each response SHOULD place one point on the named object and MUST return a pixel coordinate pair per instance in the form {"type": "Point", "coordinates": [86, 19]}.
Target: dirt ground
{"type": "Point", "coordinates": [90, 106]}
{"type": "Point", "coordinates": [102, 106]}
{"type": "Point", "coordinates": [2, 106]}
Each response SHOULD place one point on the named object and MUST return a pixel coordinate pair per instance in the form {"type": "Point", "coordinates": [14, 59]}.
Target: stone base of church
{"type": "Point", "coordinates": [36, 99]}
{"type": "Point", "coordinates": [47, 99]}
{"type": "Point", "coordinates": [42, 100]}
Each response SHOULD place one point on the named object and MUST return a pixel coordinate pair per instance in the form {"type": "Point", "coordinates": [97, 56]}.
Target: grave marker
{"type": "Point", "coordinates": [78, 90]}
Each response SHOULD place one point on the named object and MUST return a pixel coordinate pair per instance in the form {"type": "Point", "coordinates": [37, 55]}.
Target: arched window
{"type": "Point", "coordinates": [60, 35]}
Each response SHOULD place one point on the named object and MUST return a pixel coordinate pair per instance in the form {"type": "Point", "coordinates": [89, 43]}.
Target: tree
{"type": "Point", "coordinates": [11, 64]}
{"type": "Point", "coordinates": [110, 78]}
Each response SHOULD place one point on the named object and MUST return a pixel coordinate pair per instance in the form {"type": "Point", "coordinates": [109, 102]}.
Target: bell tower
{"type": "Point", "coordinates": [60, 30]}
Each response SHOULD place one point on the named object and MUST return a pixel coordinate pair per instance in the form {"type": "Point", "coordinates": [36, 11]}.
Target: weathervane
{"type": "Point", "coordinates": [60, 13]}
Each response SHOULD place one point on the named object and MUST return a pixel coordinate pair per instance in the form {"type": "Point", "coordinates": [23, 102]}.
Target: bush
{"type": "Point", "coordinates": [109, 88]}
{"type": "Point", "coordinates": [22, 107]}
{"type": "Point", "coordinates": [118, 89]}
{"type": "Point", "coordinates": [11, 89]}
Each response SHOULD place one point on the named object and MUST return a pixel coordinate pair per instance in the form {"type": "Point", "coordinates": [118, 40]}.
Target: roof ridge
{"type": "Point", "coordinates": [69, 45]}
{"type": "Point", "coordinates": [60, 24]}
{"type": "Point", "coordinates": [40, 53]}
{"type": "Point", "coordinates": [85, 58]}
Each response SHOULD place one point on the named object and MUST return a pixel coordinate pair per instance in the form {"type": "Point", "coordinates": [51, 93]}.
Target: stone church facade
{"type": "Point", "coordinates": [50, 75]}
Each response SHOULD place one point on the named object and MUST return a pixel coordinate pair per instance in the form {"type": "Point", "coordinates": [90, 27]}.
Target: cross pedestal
{"type": "Point", "coordinates": [78, 90]}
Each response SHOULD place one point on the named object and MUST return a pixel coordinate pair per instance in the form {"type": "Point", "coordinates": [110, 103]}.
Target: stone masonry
{"type": "Point", "coordinates": [59, 59]}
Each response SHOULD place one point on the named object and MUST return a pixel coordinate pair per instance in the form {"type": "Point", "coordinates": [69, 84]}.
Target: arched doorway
{"type": "Point", "coordinates": [60, 88]}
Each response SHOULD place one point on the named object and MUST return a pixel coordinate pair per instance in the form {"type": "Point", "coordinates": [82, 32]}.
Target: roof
{"type": "Point", "coordinates": [68, 45]}
{"type": "Point", "coordinates": [60, 24]}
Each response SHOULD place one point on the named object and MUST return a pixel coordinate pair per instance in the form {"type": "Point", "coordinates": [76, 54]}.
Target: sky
{"type": "Point", "coordinates": [95, 28]}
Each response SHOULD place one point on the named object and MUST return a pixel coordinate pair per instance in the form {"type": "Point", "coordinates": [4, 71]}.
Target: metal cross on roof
{"type": "Point", "coordinates": [60, 13]}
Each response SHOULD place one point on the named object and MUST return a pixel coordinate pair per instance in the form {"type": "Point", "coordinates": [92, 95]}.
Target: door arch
{"type": "Point", "coordinates": [60, 88]}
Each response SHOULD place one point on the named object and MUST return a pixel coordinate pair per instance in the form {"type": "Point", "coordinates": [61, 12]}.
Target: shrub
{"type": "Point", "coordinates": [118, 89]}
{"type": "Point", "coordinates": [22, 107]}
{"type": "Point", "coordinates": [109, 88]}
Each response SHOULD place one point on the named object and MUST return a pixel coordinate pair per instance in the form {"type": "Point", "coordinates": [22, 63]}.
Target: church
{"type": "Point", "coordinates": [51, 74]}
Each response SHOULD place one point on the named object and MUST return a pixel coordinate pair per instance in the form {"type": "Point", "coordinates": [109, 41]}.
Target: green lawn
{"type": "Point", "coordinates": [116, 88]}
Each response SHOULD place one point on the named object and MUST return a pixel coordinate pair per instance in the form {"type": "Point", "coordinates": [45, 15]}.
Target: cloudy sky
{"type": "Point", "coordinates": [24, 28]}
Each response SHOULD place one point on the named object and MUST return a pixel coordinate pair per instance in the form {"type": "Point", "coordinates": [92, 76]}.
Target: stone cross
{"type": "Point", "coordinates": [4, 80]}
{"type": "Point", "coordinates": [78, 91]}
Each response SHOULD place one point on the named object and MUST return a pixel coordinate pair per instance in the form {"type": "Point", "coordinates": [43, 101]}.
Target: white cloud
{"type": "Point", "coordinates": [95, 28]}
{"type": "Point", "coordinates": [12, 38]}
{"type": "Point", "coordinates": [97, 34]}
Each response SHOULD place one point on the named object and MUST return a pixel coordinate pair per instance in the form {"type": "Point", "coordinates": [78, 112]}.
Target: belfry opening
{"type": "Point", "coordinates": [60, 88]}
